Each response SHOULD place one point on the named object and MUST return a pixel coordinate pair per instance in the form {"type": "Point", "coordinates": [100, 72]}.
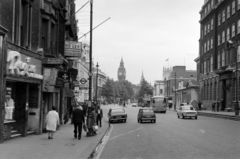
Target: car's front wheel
{"type": "Point", "coordinates": [183, 116]}
{"type": "Point", "coordinates": [196, 117]}
{"type": "Point", "coordinates": [154, 121]}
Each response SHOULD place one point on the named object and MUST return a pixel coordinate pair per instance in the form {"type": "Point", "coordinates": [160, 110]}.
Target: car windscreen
{"type": "Point", "coordinates": [147, 110]}
{"type": "Point", "coordinates": [118, 111]}
{"type": "Point", "coordinates": [187, 108]}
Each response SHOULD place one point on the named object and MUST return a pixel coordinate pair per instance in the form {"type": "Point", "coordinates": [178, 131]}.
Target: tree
{"type": "Point", "coordinates": [108, 90]}
{"type": "Point", "coordinates": [145, 88]}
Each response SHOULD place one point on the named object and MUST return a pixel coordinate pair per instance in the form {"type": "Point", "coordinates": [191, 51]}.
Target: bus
{"type": "Point", "coordinates": [159, 104]}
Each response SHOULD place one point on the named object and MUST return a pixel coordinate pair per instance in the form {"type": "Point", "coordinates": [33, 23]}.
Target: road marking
{"type": "Point", "coordinates": [202, 131]}
{"type": "Point", "coordinates": [124, 134]}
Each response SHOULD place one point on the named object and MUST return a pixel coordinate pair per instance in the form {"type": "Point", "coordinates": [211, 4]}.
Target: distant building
{"type": "Point", "coordinates": [158, 88]}
{"type": "Point", "coordinates": [121, 72]}
{"type": "Point", "coordinates": [177, 75]}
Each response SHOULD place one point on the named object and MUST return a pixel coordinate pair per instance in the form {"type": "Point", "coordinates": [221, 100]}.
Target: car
{"type": "Point", "coordinates": [146, 114]}
{"type": "Point", "coordinates": [117, 114]}
{"type": "Point", "coordinates": [134, 104]}
{"type": "Point", "coordinates": [187, 111]}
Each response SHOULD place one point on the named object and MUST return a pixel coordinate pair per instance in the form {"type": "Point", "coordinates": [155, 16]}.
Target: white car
{"type": "Point", "coordinates": [186, 111]}
{"type": "Point", "coordinates": [134, 104]}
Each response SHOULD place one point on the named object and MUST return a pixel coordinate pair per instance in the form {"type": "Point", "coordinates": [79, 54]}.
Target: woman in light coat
{"type": "Point", "coordinates": [52, 121]}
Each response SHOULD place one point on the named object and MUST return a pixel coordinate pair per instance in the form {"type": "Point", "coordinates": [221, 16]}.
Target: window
{"type": "Point", "coordinates": [218, 39]}
{"type": "Point", "coordinates": [238, 4]}
{"type": "Point", "coordinates": [208, 27]}
{"type": "Point", "coordinates": [223, 36]}
{"type": "Point", "coordinates": [219, 60]}
{"type": "Point", "coordinates": [205, 30]}
{"type": "Point", "coordinates": [211, 67]}
{"type": "Point", "coordinates": [227, 57]}
{"type": "Point", "coordinates": [228, 33]}
{"type": "Point", "coordinates": [219, 19]}
{"type": "Point", "coordinates": [205, 67]}
{"type": "Point", "coordinates": [161, 91]}
{"type": "Point", "coordinates": [22, 28]}
{"type": "Point", "coordinates": [212, 24]}
{"type": "Point", "coordinates": [223, 16]}
{"type": "Point", "coordinates": [238, 27]}
{"type": "Point", "coordinates": [233, 30]}
{"type": "Point", "coordinates": [223, 58]}
{"type": "Point", "coordinates": [205, 47]}
{"type": "Point", "coordinates": [233, 7]}
{"type": "Point", "coordinates": [211, 42]}
{"type": "Point", "coordinates": [202, 33]}
{"type": "Point", "coordinates": [212, 3]}
{"type": "Point", "coordinates": [228, 12]}
{"type": "Point", "coordinates": [208, 45]}
{"type": "Point", "coordinates": [238, 53]}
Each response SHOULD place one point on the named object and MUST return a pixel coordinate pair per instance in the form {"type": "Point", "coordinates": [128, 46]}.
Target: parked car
{"type": "Point", "coordinates": [187, 111]}
{"type": "Point", "coordinates": [134, 104]}
{"type": "Point", "coordinates": [117, 114]}
{"type": "Point", "coordinates": [146, 114]}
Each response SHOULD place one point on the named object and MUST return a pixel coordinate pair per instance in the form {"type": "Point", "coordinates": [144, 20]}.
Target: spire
{"type": "Point", "coordinates": [142, 78]}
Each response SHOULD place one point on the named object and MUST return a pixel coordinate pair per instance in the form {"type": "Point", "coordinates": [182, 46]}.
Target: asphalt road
{"type": "Point", "coordinates": [172, 138]}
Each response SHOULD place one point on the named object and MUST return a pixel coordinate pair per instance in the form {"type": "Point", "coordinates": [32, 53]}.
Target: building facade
{"type": "Point", "coordinates": [219, 23]}
{"type": "Point", "coordinates": [158, 88]}
{"type": "Point", "coordinates": [32, 38]}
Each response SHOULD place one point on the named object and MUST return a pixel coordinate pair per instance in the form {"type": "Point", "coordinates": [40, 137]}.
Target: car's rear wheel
{"type": "Point", "coordinates": [154, 121]}
{"type": "Point", "coordinates": [140, 121]}
{"type": "Point", "coordinates": [196, 117]}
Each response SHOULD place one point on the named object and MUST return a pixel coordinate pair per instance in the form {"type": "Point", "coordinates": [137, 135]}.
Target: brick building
{"type": "Point", "coordinates": [219, 22]}
{"type": "Point", "coordinates": [176, 75]}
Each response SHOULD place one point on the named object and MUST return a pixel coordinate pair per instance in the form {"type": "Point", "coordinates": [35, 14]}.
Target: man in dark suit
{"type": "Point", "coordinates": [99, 115]}
{"type": "Point", "coordinates": [78, 119]}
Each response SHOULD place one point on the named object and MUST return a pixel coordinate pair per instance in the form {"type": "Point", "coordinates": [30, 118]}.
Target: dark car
{"type": "Point", "coordinates": [146, 114]}
{"type": "Point", "coordinates": [117, 114]}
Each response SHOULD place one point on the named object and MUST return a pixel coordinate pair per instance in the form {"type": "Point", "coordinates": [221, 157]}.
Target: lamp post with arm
{"type": "Point", "coordinates": [229, 45]}
{"type": "Point", "coordinates": [97, 83]}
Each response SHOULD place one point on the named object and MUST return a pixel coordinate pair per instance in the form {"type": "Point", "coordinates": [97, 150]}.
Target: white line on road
{"type": "Point", "coordinates": [124, 134]}
{"type": "Point", "coordinates": [202, 131]}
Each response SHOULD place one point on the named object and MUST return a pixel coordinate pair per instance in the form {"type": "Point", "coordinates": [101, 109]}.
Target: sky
{"type": "Point", "coordinates": [145, 33]}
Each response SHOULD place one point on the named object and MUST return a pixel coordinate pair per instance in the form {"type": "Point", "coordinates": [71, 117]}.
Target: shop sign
{"type": "Point", "coordinates": [53, 61]}
{"type": "Point", "coordinates": [73, 48]}
{"type": "Point", "coordinates": [76, 91]}
{"type": "Point", "coordinates": [16, 66]}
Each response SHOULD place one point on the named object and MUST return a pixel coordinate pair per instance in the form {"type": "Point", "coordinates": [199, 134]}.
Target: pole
{"type": "Point", "coordinates": [90, 54]}
{"type": "Point", "coordinates": [236, 106]}
{"type": "Point", "coordinates": [97, 82]}
{"type": "Point", "coordinates": [175, 101]}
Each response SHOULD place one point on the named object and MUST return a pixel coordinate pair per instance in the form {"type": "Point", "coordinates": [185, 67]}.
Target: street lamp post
{"type": "Point", "coordinates": [90, 54]}
{"type": "Point", "coordinates": [97, 82]}
{"type": "Point", "coordinates": [235, 44]}
{"type": "Point", "coordinates": [175, 102]}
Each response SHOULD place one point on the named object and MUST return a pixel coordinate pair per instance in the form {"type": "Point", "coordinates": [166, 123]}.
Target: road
{"type": "Point", "coordinates": [172, 138]}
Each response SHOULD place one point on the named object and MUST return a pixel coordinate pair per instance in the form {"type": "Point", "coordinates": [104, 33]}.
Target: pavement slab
{"type": "Point", "coordinates": [62, 146]}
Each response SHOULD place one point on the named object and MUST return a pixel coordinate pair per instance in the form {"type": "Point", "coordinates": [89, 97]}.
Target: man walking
{"type": "Point", "coordinates": [99, 116]}
{"type": "Point", "coordinates": [78, 119]}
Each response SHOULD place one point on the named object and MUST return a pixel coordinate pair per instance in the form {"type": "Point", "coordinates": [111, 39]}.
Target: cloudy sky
{"type": "Point", "coordinates": [144, 33]}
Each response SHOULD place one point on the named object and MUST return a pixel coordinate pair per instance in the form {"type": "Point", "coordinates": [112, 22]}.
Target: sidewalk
{"type": "Point", "coordinates": [220, 114]}
{"type": "Point", "coordinates": [62, 146]}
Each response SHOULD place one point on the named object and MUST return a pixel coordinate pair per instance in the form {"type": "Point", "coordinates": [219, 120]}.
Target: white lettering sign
{"type": "Point", "coordinates": [17, 67]}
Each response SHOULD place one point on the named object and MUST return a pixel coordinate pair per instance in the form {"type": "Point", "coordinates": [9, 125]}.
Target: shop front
{"type": "Point", "coordinates": [22, 95]}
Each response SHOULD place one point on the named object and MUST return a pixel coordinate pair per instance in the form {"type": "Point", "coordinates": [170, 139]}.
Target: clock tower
{"type": "Point", "coordinates": [121, 72]}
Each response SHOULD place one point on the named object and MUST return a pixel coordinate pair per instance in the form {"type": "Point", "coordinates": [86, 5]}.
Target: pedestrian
{"type": "Point", "coordinates": [99, 116]}
{"type": "Point", "coordinates": [91, 121]}
{"type": "Point", "coordinates": [199, 105]}
{"type": "Point", "coordinates": [52, 122]}
{"type": "Point", "coordinates": [213, 107]}
{"type": "Point", "coordinates": [78, 119]}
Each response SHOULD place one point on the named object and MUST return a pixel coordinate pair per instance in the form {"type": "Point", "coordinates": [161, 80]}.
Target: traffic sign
{"type": "Point", "coordinates": [83, 81]}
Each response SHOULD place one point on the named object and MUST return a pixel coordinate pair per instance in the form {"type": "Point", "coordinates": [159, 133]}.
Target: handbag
{"type": "Point", "coordinates": [85, 128]}
{"type": "Point", "coordinates": [95, 127]}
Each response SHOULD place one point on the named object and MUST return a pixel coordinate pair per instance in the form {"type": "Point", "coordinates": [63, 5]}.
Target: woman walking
{"type": "Point", "coordinates": [52, 122]}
